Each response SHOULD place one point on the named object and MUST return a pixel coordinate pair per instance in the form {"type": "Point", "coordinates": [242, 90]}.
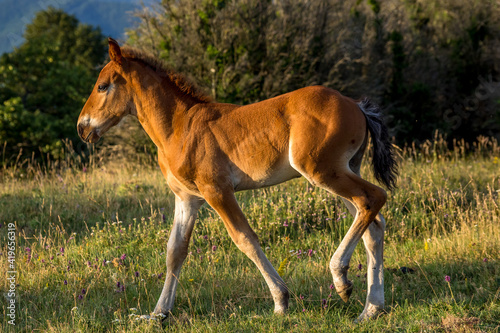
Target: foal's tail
{"type": "Point", "coordinates": [384, 163]}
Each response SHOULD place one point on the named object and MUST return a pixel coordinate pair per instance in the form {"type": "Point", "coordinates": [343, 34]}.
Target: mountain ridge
{"type": "Point", "coordinates": [112, 16]}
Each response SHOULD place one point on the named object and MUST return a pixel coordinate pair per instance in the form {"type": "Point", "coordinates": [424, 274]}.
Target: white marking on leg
{"type": "Point", "coordinates": [374, 244]}
{"type": "Point", "coordinates": [185, 216]}
{"type": "Point", "coordinates": [373, 239]}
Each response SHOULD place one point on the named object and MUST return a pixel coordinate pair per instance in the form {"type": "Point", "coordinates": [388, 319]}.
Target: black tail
{"type": "Point", "coordinates": [384, 163]}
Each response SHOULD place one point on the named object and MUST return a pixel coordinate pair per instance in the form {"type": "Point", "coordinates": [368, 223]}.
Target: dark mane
{"type": "Point", "coordinates": [159, 67]}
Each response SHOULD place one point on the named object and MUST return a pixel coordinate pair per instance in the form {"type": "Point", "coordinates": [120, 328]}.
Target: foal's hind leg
{"type": "Point", "coordinates": [367, 199]}
{"type": "Point", "coordinates": [374, 245]}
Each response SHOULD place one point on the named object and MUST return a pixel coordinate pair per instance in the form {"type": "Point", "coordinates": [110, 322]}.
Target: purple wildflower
{"type": "Point", "coordinates": [123, 256]}
{"type": "Point", "coordinates": [303, 310]}
{"type": "Point", "coordinates": [65, 282]}
{"type": "Point", "coordinates": [323, 302]}
{"type": "Point", "coordinates": [214, 248]}
{"type": "Point", "coordinates": [68, 268]}
{"type": "Point", "coordinates": [163, 217]}
{"type": "Point", "coordinates": [89, 263]}
{"type": "Point", "coordinates": [84, 169]}
{"type": "Point", "coordinates": [118, 284]}
{"type": "Point", "coordinates": [205, 237]}
{"type": "Point", "coordinates": [83, 291]}
{"type": "Point", "coordinates": [136, 274]}
{"type": "Point", "coordinates": [122, 289]}
{"type": "Point", "coordinates": [285, 224]}
{"type": "Point", "coordinates": [447, 278]}
{"type": "Point", "coordinates": [310, 252]}
{"type": "Point", "coordinates": [360, 266]}
{"type": "Point", "coordinates": [332, 286]}
{"type": "Point", "coordinates": [485, 260]}
{"type": "Point", "coordinates": [301, 297]}
{"type": "Point", "coordinates": [62, 250]}
{"type": "Point", "coordinates": [160, 275]}
{"type": "Point", "coordinates": [27, 249]}
{"type": "Point", "coordinates": [80, 297]}
{"type": "Point", "coordinates": [52, 258]}
{"type": "Point", "coordinates": [198, 250]}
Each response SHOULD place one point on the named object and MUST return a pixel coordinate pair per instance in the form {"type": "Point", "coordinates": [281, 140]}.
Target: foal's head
{"type": "Point", "coordinates": [110, 100]}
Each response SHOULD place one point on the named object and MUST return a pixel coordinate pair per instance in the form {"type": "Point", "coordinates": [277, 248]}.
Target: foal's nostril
{"type": "Point", "coordinates": [80, 129]}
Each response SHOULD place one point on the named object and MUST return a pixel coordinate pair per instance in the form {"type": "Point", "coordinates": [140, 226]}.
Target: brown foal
{"type": "Point", "coordinates": [207, 151]}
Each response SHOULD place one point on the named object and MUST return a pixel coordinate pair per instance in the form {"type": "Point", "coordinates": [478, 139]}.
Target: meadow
{"type": "Point", "coordinates": [92, 235]}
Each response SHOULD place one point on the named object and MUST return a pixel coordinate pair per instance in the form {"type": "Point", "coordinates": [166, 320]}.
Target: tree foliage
{"type": "Point", "coordinates": [431, 64]}
{"type": "Point", "coordinates": [45, 82]}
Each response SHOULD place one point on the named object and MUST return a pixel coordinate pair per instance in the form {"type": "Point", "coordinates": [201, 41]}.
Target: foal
{"type": "Point", "coordinates": [207, 151]}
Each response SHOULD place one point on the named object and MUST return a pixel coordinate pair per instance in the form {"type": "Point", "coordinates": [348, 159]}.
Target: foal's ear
{"type": "Point", "coordinates": [114, 51]}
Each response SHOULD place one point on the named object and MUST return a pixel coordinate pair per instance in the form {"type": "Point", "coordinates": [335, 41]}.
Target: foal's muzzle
{"type": "Point", "coordinates": [87, 134]}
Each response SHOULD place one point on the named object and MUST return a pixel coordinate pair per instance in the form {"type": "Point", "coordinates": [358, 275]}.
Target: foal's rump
{"type": "Point", "coordinates": [327, 129]}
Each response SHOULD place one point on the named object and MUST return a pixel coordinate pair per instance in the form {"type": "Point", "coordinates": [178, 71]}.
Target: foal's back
{"type": "Point", "coordinates": [252, 144]}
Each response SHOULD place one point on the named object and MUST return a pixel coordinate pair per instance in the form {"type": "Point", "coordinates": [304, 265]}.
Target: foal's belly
{"type": "Point", "coordinates": [263, 176]}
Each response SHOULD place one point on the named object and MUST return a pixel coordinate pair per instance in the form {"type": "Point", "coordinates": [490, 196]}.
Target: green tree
{"type": "Point", "coordinates": [45, 82]}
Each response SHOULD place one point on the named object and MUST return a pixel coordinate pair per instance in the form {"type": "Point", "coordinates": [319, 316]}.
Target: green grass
{"type": "Point", "coordinates": [442, 220]}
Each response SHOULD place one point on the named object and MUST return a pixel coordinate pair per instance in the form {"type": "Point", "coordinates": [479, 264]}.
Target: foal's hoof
{"type": "Point", "coordinates": [156, 316]}
{"type": "Point", "coordinates": [345, 291]}
{"type": "Point", "coordinates": [281, 303]}
{"type": "Point", "coordinates": [281, 311]}
{"type": "Point", "coordinates": [370, 312]}
{"type": "Point", "coordinates": [152, 317]}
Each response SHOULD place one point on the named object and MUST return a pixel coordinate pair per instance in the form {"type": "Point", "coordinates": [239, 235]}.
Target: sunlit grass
{"type": "Point", "coordinates": [92, 241]}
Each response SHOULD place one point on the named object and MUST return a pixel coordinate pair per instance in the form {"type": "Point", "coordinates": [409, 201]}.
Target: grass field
{"type": "Point", "coordinates": [91, 243]}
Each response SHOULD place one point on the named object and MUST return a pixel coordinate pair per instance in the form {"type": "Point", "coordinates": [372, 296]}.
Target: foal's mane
{"type": "Point", "coordinates": [178, 80]}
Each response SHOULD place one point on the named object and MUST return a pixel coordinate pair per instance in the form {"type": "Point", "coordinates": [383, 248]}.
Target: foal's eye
{"type": "Point", "coordinates": [102, 87]}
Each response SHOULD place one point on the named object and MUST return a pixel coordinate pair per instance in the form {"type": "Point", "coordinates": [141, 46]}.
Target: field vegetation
{"type": "Point", "coordinates": [92, 222]}
{"type": "Point", "coordinates": [92, 236]}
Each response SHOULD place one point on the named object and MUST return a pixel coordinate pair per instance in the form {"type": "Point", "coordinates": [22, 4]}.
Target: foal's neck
{"type": "Point", "coordinates": [158, 102]}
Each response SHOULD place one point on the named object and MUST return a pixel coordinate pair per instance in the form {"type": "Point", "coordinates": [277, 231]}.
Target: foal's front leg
{"type": "Point", "coordinates": [246, 240]}
{"type": "Point", "coordinates": [177, 246]}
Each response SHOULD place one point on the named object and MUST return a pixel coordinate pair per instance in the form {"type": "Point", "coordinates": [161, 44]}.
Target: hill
{"type": "Point", "coordinates": [113, 16]}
